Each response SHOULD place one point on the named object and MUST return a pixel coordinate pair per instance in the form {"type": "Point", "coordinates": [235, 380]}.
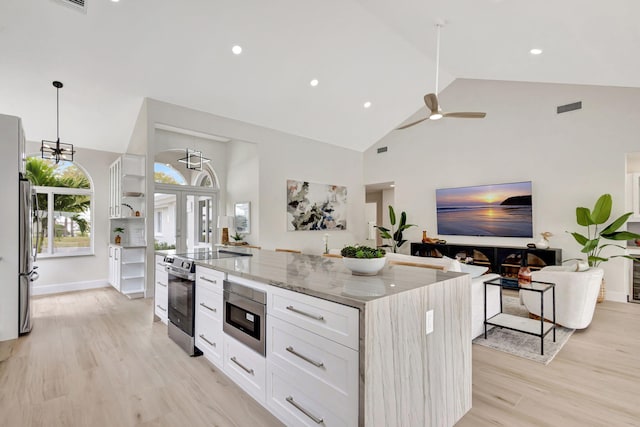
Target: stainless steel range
{"type": "Point", "coordinates": [181, 269]}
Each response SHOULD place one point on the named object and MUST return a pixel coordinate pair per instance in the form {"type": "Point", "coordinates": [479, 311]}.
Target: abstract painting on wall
{"type": "Point", "coordinates": [316, 206]}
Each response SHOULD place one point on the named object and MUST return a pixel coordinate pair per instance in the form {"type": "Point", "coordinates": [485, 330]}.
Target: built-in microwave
{"type": "Point", "coordinates": [245, 315]}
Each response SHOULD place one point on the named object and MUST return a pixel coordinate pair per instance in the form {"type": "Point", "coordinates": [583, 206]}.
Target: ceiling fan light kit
{"type": "Point", "coordinates": [431, 99]}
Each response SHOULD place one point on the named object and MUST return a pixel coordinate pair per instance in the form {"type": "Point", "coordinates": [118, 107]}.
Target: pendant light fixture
{"type": "Point", "coordinates": [194, 160]}
{"type": "Point", "coordinates": [57, 150]}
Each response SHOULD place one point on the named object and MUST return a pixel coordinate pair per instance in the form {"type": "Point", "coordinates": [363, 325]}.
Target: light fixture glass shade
{"type": "Point", "coordinates": [194, 160]}
{"type": "Point", "coordinates": [225, 221]}
{"type": "Point", "coordinates": [56, 150]}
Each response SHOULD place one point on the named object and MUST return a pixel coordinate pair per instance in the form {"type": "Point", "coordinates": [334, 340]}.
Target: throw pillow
{"type": "Point", "coordinates": [473, 270]}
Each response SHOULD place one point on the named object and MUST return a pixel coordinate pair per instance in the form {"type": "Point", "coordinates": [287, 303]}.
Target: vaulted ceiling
{"type": "Point", "coordinates": [379, 51]}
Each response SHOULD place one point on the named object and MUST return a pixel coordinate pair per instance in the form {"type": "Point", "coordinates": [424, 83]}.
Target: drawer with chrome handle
{"type": "Point", "coordinates": [336, 322]}
{"type": "Point", "coordinates": [314, 360]}
{"type": "Point", "coordinates": [204, 338]}
{"type": "Point", "coordinates": [303, 410]}
{"type": "Point", "coordinates": [209, 278]}
{"type": "Point", "coordinates": [209, 302]}
{"type": "Point", "coordinates": [245, 367]}
{"type": "Point", "coordinates": [161, 308]}
{"type": "Point", "coordinates": [299, 403]}
{"type": "Point", "coordinates": [213, 309]}
{"type": "Point", "coordinates": [164, 285]}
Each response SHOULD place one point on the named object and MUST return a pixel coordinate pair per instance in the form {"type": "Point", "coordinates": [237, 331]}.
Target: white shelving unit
{"type": "Point", "coordinates": [127, 210]}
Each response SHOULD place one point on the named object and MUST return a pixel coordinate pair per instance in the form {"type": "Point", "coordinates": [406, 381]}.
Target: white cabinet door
{"type": "Point", "coordinates": [161, 295]}
{"type": "Point", "coordinates": [117, 266]}
{"type": "Point", "coordinates": [111, 265]}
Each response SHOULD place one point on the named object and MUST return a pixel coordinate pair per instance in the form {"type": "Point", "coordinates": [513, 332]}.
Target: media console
{"type": "Point", "coordinates": [503, 260]}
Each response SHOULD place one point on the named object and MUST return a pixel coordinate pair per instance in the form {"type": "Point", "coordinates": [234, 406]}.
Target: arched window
{"type": "Point", "coordinates": [65, 201]}
{"type": "Point", "coordinates": [204, 180]}
{"type": "Point", "coordinates": [167, 174]}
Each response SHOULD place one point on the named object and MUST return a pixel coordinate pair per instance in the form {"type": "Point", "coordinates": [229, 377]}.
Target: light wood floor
{"type": "Point", "coordinates": [593, 381]}
{"type": "Point", "coordinates": [95, 358]}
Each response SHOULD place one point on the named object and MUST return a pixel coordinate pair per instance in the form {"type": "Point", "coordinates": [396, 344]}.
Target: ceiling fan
{"type": "Point", "coordinates": [431, 99]}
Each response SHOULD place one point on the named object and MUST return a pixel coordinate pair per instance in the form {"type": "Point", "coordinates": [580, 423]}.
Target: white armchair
{"type": "Point", "coordinates": [576, 295]}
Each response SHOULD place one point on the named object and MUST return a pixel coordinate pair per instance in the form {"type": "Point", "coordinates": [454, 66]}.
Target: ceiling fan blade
{"type": "Point", "coordinates": [431, 101]}
{"type": "Point", "coordinates": [465, 115]}
{"type": "Point", "coordinates": [412, 123]}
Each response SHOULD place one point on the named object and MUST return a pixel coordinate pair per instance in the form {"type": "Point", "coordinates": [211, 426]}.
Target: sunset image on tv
{"type": "Point", "coordinates": [488, 210]}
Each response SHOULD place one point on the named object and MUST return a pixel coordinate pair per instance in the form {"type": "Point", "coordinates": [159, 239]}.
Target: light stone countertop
{"type": "Point", "coordinates": [325, 277]}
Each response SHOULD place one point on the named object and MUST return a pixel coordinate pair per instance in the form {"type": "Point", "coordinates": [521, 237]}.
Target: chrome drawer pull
{"type": "Point", "coordinates": [212, 344]}
{"type": "Point", "coordinates": [208, 280]}
{"type": "Point", "coordinates": [161, 284]}
{"type": "Point", "coordinates": [313, 316]}
{"type": "Point", "coordinates": [208, 308]}
{"type": "Point", "coordinates": [161, 308]}
{"type": "Point", "coordinates": [305, 358]}
{"type": "Point", "coordinates": [249, 371]}
{"type": "Point", "coordinates": [161, 264]}
{"type": "Point", "coordinates": [304, 411]}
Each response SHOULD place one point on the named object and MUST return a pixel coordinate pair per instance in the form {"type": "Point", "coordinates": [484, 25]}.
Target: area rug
{"type": "Point", "coordinates": [523, 345]}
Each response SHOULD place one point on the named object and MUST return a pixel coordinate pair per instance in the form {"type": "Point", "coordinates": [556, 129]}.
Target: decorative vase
{"type": "Point", "coordinates": [524, 274]}
{"type": "Point", "coordinates": [425, 239]}
{"type": "Point", "coordinates": [542, 243]}
{"type": "Point", "coordinates": [364, 266]}
{"type": "Point", "coordinates": [118, 239]}
{"type": "Point", "coordinates": [602, 292]}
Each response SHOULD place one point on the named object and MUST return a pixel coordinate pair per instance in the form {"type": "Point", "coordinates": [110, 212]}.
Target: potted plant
{"type": "Point", "coordinates": [363, 260]}
{"type": "Point", "coordinates": [394, 234]}
{"type": "Point", "coordinates": [597, 234]}
{"type": "Point", "coordinates": [118, 231]}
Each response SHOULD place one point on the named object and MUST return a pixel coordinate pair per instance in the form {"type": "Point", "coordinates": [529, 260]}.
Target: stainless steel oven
{"type": "Point", "coordinates": [181, 270]}
{"type": "Point", "coordinates": [245, 315]}
{"type": "Point", "coordinates": [181, 323]}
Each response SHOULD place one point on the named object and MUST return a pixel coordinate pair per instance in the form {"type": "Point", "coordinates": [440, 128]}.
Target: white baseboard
{"type": "Point", "coordinates": [68, 287]}
{"type": "Point", "coordinates": [615, 296]}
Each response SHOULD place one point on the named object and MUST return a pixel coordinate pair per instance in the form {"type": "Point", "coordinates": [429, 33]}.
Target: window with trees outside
{"type": "Point", "coordinates": [64, 197]}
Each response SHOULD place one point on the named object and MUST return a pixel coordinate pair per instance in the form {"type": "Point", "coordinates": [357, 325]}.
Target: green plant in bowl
{"type": "Point", "coordinates": [363, 252]}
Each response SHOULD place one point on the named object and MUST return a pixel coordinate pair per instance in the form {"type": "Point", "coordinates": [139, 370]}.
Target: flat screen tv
{"type": "Point", "coordinates": [501, 210]}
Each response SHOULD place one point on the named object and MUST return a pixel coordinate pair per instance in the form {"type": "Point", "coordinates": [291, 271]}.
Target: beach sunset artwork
{"type": "Point", "coordinates": [502, 210]}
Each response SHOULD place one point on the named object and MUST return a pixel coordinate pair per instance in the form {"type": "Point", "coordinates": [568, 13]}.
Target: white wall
{"type": "Point", "coordinates": [572, 158]}
{"type": "Point", "coordinates": [82, 272]}
{"type": "Point", "coordinates": [281, 156]}
{"type": "Point", "coordinates": [243, 179]}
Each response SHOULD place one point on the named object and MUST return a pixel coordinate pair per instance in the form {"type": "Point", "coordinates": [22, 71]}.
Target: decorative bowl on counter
{"type": "Point", "coordinates": [364, 266]}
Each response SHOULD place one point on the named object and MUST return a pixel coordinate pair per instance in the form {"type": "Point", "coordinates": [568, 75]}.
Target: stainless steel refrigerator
{"type": "Point", "coordinates": [27, 246]}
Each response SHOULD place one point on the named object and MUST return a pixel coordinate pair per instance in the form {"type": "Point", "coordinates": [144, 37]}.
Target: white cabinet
{"type": "Point", "coordinates": [245, 367]}
{"type": "Point", "coordinates": [312, 360]}
{"type": "Point", "coordinates": [126, 270]}
{"type": "Point", "coordinates": [127, 187]}
{"type": "Point", "coordinates": [208, 328]}
{"type": "Point", "coordinates": [161, 295]}
{"type": "Point", "coordinates": [126, 211]}
{"type": "Point", "coordinates": [115, 266]}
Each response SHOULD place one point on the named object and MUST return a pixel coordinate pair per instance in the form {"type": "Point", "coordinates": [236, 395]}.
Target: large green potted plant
{"type": "Point", "coordinates": [394, 234]}
{"type": "Point", "coordinates": [597, 234]}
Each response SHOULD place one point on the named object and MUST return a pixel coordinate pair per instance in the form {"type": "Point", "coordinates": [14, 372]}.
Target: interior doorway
{"type": "Point", "coordinates": [378, 197]}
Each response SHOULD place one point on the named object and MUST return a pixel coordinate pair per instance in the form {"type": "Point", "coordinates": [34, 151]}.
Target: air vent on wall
{"type": "Point", "coordinates": [80, 5]}
{"type": "Point", "coordinates": [382, 150]}
{"type": "Point", "coordinates": [569, 107]}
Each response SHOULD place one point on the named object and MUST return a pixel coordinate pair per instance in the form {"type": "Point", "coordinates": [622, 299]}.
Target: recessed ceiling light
{"type": "Point", "coordinates": [115, 1]}
{"type": "Point", "coordinates": [237, 50]}
{"type": "Point", "coordinates": [314, 82]}
{"type": "Point", "coordinates": [392, 185]}
{"type": "Point", "coordinates": [535, 51]}
{"type": "Point", "coordinates": [367, 104]}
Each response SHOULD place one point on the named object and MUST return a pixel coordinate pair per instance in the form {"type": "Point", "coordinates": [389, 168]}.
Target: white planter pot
{"type": "Point", "coordinates": [364, 266]}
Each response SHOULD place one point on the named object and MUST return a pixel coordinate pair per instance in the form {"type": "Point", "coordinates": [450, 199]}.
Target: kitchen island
{"type": "Point", "coordinates": [414, 339]}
